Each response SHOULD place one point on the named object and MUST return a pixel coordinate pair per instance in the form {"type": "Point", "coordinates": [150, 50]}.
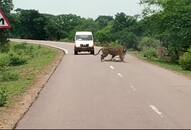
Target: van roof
{"type": "Point", "coordinates": [83, 33]}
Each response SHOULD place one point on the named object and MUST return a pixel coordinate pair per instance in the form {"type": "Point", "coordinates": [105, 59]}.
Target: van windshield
{"type": "Point", "coordinates": [84, 37]}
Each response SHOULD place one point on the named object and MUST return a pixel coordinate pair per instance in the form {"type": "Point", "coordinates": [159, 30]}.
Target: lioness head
{"type": "Point", "coordinates": [124, 50]}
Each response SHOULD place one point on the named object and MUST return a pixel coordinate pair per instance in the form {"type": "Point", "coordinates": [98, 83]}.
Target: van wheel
{"type": "Point", "coordinates": [92, 52]}
{"type": "Point", "coordinates": [75, 52]}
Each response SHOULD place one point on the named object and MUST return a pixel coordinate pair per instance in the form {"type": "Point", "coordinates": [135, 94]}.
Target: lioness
{"type": "Point", "coordinates": [114, 51]}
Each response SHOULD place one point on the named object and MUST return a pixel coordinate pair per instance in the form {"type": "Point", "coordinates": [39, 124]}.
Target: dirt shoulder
{"type": "Point", "coordinates": [9, 116]}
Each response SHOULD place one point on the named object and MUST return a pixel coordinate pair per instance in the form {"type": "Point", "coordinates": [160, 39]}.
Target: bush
{"type": "Point", "coordinates": [149, 53]}
{"type": "Point", "coordinates": [3, 96]}
{"type": "Point", "coordinates": [185, 61]}
{"type": "Point", "coordinates": [113, 44]}
{"type": "Point", "coordinates": [25, 49]}
{"type": "Point", "coordinates": [9, 76]}
{"type": "Point", "coordinates": [104, 35]}
{"type": "Point", "coordinates": [126, 38]}
{"type": "Point", "coordinates": [162, 53]}
{"type": "Point", "coordinates": [22, 46]}
{"type": "Point", "coordinates": [66, 40]}
{"type": "Point", "coordinates": [147, 42]}
{"type": "Point", "coordinates": [4, 60]}
{"type": "Point", "coordinates": [4, 45]}
{"type": "Point", "coordinates": [16, 59]}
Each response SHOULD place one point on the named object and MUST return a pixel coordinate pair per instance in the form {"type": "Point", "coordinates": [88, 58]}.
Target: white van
{"type": "Point", "coordinates": [84, 42]}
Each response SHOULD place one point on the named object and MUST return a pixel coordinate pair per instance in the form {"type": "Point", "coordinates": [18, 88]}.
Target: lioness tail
{"type": "Point", "coordinates": [98, 52]}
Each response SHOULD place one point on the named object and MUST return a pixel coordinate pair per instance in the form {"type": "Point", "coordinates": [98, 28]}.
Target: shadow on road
{"type": "Point", "coordinates": [84, 54]}
{"type": "Point", "coordinates": [115, 60]}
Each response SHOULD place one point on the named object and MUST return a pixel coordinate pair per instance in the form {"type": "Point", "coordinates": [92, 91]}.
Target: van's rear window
{"type": "Point", "coordinates": [84, 37]}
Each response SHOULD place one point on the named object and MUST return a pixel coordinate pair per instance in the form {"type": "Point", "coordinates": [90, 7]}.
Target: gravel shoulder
{"type": "Point", "coordinates": [11, 114]}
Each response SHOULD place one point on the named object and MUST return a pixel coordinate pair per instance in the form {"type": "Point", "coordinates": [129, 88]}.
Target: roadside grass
{"type": "Point", "coordinates": [170, 66]}
{"type": "Point", "coordinates": [41, 58]}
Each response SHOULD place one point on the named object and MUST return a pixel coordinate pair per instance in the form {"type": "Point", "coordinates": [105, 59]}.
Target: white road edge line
{"type": "Point", "coordinates": [120, 75]}
{"type": "Point", "coordinates": [66, 51]}
{"type": "Point", "coordinates": [133, 88]}
{"type": "Point", "coordinates": [42, 43]}
{"type": "Point", "coordinates": [111, 67]}
{"type": "Point", "coordinates": [155, 109]}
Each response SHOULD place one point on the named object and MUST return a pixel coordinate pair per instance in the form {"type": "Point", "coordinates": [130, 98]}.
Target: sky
{"type": "Point", "coordinates": [83, 8]}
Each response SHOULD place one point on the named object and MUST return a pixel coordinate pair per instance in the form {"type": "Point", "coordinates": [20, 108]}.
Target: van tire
{"type": "Point", "coordinates": [75, 53]}
{"type": "Point", "coordinates": [92, 52]}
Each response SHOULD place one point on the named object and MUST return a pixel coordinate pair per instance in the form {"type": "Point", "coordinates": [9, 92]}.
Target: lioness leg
{"type": "Point", "coordinates": [122, 58]}
{"type": "Point", "coordinates": [103, 56]}
{"type": "Point", "coordinates": [112, 57]}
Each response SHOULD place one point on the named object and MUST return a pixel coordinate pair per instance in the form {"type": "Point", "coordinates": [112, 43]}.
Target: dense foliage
{"type": "Point", "coordinates": [185, 60]}
{"type": "Point", "coordinates": [20, 66]}
{"type": "Point", "coordinates": [170, 23]}
{"type": "Point", "coordinates": [164, 27]}
{"type": "Point", "coordinates": [30, 24]}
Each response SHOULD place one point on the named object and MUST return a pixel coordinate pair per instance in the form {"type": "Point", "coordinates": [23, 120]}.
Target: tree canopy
{"type": "Point", "coordinates": [164, 21]}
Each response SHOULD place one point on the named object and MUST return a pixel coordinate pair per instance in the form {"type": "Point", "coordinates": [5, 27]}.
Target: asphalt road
{"type": "Point", "coordinates": [85, 93]}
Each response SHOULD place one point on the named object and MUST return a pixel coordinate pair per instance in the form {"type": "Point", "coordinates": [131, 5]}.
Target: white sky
{"type": "Point", "coordinates": [84, 8]}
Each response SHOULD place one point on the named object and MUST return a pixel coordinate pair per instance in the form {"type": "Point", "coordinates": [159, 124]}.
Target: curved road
{"type": "Point", "coordinates": [85, 93]}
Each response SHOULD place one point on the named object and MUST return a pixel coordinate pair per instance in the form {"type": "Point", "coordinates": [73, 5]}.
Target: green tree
{"type": "Point", "coordinates": [67, 23]}
{"type": "Point", "coordinates": [105, 35]}
{"type": "Point", "coordinates": [170, 23]}
{"type": "Point", "coordinates": [126, 38]}
{"type": "Point", "coordinates": [123, 21]}
{"type": "Point", "coordinates": [85, 25]}
{"type": "Point", "coordinates": [6, 6]}
{"type": "Point", "coordinates": [53, 29]}
{"type": "Point", "coordinates": [103, 21]}
{"type": "Point", "coordinates": [125, 30]}
{"type": "Point", "coordinates": [148, 42]}
{"type": "Point", "coordinates": [31, 24]}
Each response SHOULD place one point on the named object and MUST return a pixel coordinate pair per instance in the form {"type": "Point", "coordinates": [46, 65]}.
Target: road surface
{"type": "Point", "coordinates": [85, 93]}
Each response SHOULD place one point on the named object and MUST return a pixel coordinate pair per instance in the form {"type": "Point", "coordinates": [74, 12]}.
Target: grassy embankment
{"type": "Point", "coordinates": [20, 67]}
{"type": "Point", "coordinates": [170, 66]}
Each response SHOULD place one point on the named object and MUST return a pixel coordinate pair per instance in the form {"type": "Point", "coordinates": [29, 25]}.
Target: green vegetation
{"type": "Point", "coordinates": [166, 39]}
{"type": "Point", "coordinates": [3, 96]}
{"type": "Point", "coordinates": [167, 65]}
{"type": "Point", "coordinates": [30, 24]}
{"type": "Point", "coordinates": [185, 61]}
{"type": "Point", "coordinates": [19, 68]}
{"type": "Point", "coordinates": [149, 53]}
{"type": "Point", "coordinates": [162, 31]}
{"type": "Point", "coordinates": [167, 26]}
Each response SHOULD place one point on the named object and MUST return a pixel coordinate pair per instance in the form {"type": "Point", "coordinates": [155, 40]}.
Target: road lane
{"type": "Point", "coordinates": [170, 92]}
{"type": "Point", "coordinates": [86, 93]}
